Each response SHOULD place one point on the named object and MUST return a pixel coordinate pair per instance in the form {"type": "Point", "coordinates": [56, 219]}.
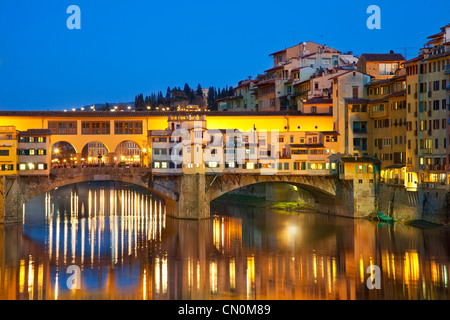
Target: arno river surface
{"type": "Point", "coordinates": [127, 248]}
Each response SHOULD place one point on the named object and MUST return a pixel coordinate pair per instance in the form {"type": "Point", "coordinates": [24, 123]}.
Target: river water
{"type": "Point", "coordinates": [121, 244]}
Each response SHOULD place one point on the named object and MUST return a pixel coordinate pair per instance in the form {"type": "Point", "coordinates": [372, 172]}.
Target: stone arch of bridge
{"type": "Point", "coordinates": [169, 196]}
{"type": "Point", "coordinates": [325, 191]}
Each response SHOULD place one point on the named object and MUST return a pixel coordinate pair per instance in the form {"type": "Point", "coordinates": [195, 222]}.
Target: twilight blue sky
{"type": "Point", "coordinates": [128, 47]}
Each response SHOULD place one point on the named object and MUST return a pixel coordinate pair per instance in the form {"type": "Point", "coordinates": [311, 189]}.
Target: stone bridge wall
{"type": "Point", "coordinates": [187, 196]}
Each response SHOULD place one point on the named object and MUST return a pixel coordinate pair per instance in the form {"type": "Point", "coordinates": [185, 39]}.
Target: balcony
{"type": "Point", "coordinates": [360, 130]}
{"type": "Point", "coordinates": [436, 167]}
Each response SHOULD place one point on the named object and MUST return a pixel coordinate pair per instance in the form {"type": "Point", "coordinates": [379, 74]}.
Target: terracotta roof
{"type": "Point", "coordinates": [277, 52]}
{"type": "Point", "coordinates": [387, 97]}
{"type": "Point", "coordinates": [266, 82]}
{"type": "Point", "coordinates": [318, 101]}
{"type": "Point", "coordinates": [35, 132]}
{"type": "Point", "coordinates": [436, 56]}
{"type": "Point", "coordinates": [382, 57]}
{"type": "Point", "coordinates": [378, 81]}
{"type": "Point", "coordinates": [436, 35]}
{"type": "Point", "coordinates": [338, 75]}
{"type": "Point", "coordinates": [309, 55]}
{"type": "Point", "coordinates": [420, 57]}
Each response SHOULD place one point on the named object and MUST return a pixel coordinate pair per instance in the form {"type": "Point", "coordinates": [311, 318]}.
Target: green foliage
{"type": "Point", "coordinates": [176, 97]}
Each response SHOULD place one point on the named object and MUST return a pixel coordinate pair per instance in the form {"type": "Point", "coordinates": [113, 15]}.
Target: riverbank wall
{"type": "Point", "coordinates": [427, 204]}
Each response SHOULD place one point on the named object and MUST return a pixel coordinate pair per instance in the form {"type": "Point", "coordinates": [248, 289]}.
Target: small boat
{"type": "Point", "coordinates": [384, 217]}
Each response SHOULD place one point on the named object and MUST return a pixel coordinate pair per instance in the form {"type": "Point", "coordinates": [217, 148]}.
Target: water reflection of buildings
{"type": "Point", "coordinates": [128, 249]}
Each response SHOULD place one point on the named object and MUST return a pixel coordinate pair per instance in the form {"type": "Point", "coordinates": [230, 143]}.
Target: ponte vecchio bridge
{"type": "Point", "coordinates": [304, 153]}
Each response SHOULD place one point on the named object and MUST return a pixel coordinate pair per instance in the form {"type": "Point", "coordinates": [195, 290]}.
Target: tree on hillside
{"type": "Point", "coordinates": [139, 104]}
{"type": "Point", "coordinates": [199, 90]}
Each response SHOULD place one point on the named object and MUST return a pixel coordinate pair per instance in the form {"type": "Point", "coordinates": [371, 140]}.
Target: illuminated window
{"type": "Point", "coordinates": [212, 164]}
{"type": "Point", "coordinates": [157, 165]}
{"type": "Point", "coordinates": [231, 165]}
{"type": "Point", "coordinates": [31, 152]}
{"type": "Point", "coordinates": [40, 166]}
{"type": "Point", "coordinates": [22, 166]}
{"type": "Point", "coordinates": [164, 165]}
{"type": "Point", "coordinates": [333, 166]}
{"type": "Point", "coordinates": [250, 165]}
{"type": "Point", "coordinates": [31, 166]}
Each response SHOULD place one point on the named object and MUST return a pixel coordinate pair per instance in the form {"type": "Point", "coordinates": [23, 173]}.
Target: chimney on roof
{"type": "Point", "coordinates": [391, 52]}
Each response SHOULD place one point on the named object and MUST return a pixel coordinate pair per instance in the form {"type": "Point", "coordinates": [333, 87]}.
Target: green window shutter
{"type": "Point", "coordinates": [295, 165]}
{"type": "Point", "coordinates": [364, 169]}
{"type": "Point", "coordinates": [356, 168]}
{"type": "Point", "coordinates": [309, 165]}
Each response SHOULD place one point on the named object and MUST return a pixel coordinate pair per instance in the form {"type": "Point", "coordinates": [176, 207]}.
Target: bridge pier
{"type": "Point", "coordinates": [11, 200]}
{"type": "Point", "coordinates": [193, 202]}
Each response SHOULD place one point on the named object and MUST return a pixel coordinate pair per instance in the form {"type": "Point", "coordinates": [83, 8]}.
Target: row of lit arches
{"type": "Point", "coordinates": [96, 153]}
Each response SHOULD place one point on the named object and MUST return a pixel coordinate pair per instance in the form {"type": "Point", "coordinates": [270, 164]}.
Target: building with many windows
{"type": "Point", "coordinates": [8, 150]}
{"type": "Point", "coordinates": [188, 146]}
{"type": "Point", "coordinates": [387, 113]}
{"type": "Point", "coordinates": [427, 115]}
{"type": "Point", "coordinates": [33, 151]}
